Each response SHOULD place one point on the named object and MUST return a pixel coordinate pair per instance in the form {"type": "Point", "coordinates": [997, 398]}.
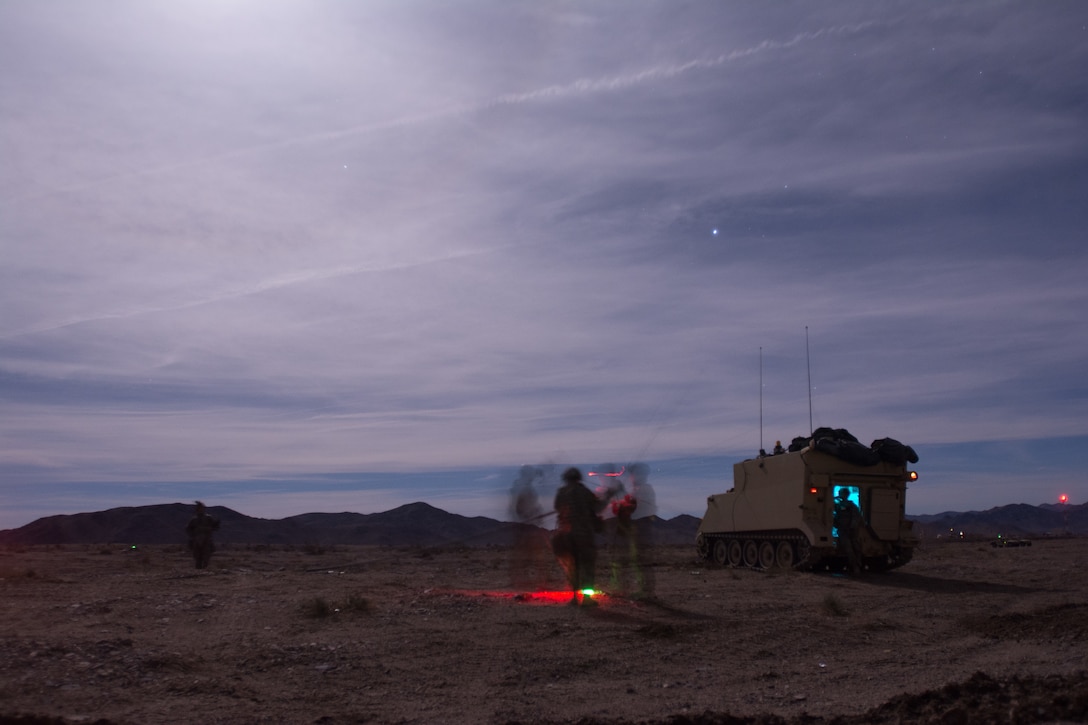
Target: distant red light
{"type": "Point", "coordinates": [1063, 499]}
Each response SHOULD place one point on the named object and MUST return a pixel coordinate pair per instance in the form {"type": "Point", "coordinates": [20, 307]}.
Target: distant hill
{"type": "Point", "coordinates": [1014, 520]}
{"type": "Point", "coordinates": [414, 524]}
{"type": "Point", "coordinates": [420, 524]}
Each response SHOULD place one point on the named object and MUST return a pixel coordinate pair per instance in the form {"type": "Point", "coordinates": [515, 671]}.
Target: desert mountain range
{"type": "Point", "coordinates": [414, 524]}
{"type": "Point", "coordinates": [420, 524]}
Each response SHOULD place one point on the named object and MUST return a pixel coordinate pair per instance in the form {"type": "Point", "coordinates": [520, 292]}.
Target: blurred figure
{"type": "Point", "coordinates": [577, 524]}
{"type": "Point", "coordinates": [609, 483]}
{"type": "Point", "coordinates": [200, 529]}
{"type": "Point", "coordinates": [847, 518]}
{"type": "Point", "coordinates": [646, 502]}
{"type": "Point", "coordinates": [528, 562]}
{"type": "Point", "coordinates": [624, 547]}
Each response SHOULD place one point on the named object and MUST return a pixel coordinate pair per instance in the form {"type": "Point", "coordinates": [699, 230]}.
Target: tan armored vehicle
{"type": "Point", "coordinates": [781, 510]}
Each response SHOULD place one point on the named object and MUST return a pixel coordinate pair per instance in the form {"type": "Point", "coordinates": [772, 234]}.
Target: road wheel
{"type": "Point", "coordinates": [736, 554]}
{"type": "Point", "coordinates": [766, 554]}
{"type": "Point", "coordinates": [783, 555]}
{"type": "Point", "coordinates": [720, 551]}
{"type": "Point", "coordinates": [751, 554]}
{"type": "Point", "coordinates": [702, 546]}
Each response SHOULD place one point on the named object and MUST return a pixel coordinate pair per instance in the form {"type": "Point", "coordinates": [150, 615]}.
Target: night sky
{"type": "Point", "coordinates": [323, 256]}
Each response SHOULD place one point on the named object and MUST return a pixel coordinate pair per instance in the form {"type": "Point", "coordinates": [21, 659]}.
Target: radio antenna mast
{"type": "Point", "coordinates": [761, 398]}
{"type": "Point", "coordinates": [808, 367]}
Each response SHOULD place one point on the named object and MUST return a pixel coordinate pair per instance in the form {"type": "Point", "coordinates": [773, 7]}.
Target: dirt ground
{"type": "Point", "coordinates": [965, 633]}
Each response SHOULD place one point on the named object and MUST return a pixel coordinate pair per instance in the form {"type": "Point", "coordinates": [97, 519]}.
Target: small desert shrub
{"type": "Point", "coordinates": [316, 608]}
{"type": "Point", "coordinates": [358, 604]}
{"type": "Point", "coordinates": [833, 606]}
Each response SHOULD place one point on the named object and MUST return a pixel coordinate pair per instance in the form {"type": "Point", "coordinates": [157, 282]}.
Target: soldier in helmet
{"type": "Point", "coordinates": [574, 543]}
{"type": "Point", "coordinates": [848, 522]}
{"type": "Point", "coordinates": [200, 529]}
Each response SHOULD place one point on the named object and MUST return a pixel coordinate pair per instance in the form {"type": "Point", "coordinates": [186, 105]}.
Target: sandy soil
{"type": "Point", "coordinates": [964, 633]}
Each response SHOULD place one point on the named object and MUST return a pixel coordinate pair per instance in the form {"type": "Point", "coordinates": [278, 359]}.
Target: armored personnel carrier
{"type": "Point", "coordinates": [781, 509]}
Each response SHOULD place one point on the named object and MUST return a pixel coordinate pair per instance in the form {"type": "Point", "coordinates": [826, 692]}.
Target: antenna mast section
{"type": "Point", "coordinates": [808, 368]}
{"type": "Point", "coordinates": [761, 398]}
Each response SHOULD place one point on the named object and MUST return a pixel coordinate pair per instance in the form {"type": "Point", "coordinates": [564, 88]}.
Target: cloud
{"type": "Point", "coordinates": [348, 238]}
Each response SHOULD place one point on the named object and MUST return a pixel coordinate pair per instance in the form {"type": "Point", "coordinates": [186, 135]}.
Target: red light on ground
{"type": "Point", "coordinates": [1063, 499]}
{"type": "Point", "coordinates": [544, 597]}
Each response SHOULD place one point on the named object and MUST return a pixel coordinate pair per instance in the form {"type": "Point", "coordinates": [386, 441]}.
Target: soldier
{"type": "Point", "coordinates": [574, 542]}
{"type": "Point", "coordinates": [624, 547]}
{"type": "Point", "coordinates": [527, 563]}
{"type": "Point", "coordinates": [646, 500]}
{"type": "Point", "coordinates": [200, 530]}
{"type": "Point", "coordinates": [848, 522]}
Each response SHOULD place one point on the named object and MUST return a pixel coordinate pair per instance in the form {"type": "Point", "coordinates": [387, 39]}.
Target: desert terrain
{"type": "Point", "coordinates": [964, 633]}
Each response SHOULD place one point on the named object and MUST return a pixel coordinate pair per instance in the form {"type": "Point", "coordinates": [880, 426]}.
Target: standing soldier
{"type": "Point", "coordinates": [646, 500]}
{"type": "Point", "coordinates": [624, 548]}
{"type": "Point", "coordinates": [848, 523]}
{"type": "Point", "coordinates": [200, 530]}
{"type": "Point", "coordinates": [577, 524]}
{"type": "Point", "coordinates": [527, 561]}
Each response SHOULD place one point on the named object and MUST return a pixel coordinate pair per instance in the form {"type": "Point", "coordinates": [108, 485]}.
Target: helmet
{"type": "Point", "coordinates": [572, 474]}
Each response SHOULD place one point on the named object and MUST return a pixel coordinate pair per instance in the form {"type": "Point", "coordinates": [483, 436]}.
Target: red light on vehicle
{"type": "Point", "coordinates": [813, 490]}
{"type": "Point", "coordinates": [913, 475]}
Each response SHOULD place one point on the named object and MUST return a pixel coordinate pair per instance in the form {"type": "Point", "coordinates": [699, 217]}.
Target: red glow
{"type": "Point", "coordinates": [594, 473]}
{"type": "Point", "coordinates": [1063, 499]}
{"type": "Point", "coordinates": [542, 597]}
{"type": "Point", "coordinates": [812, 490]}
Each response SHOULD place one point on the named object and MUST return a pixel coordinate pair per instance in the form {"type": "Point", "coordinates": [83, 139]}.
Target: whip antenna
{"type": "Point", "coordinates": [808, 367]}
{"type": "Point", "coordinates": [761, 398]}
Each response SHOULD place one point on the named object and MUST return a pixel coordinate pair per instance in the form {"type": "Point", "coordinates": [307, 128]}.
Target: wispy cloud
{"type": "Point", "coordinates": [415, 245]}
{"type": "Point", "coordinates": [281, 281]}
